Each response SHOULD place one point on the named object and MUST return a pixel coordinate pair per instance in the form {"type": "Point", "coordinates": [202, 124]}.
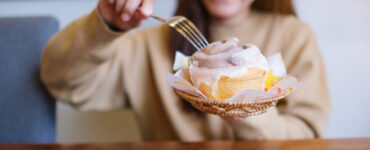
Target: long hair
{"type": "Point", "coordinates": [195, 11]}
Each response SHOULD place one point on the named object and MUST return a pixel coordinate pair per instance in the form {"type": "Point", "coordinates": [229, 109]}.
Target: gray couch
{"type": "Point", "coordinates": [27, 111]}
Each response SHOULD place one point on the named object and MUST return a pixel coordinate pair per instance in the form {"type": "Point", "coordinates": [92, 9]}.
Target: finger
{"type": "Point", "coordinates": [129, 9]}
{"type": "Point", "coordinates": [233, 119]}
{"type": "Point", "coordinates": [119, 5]}
{"type": "Point", "coordinates": [138, 16]}
{"type": "Point", "coordinates": [135, 21]}
{"type": "Point", "coordinates": [111, 2]}
{"type": "Point", "coordinates": [147, 7]}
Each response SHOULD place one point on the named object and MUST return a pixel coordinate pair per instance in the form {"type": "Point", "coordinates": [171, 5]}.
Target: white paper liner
{"type": "Point", "coordinates": [276, 64]}
{"type": "Point", "coordinates": [287, 84]}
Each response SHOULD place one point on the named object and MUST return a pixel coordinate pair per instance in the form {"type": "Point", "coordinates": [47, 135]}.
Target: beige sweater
{"type": "Point", "coordinates": [93, 68]}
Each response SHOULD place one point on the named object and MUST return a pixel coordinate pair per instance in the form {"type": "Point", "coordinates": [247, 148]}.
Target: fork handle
{"type": "Point", "coordinates": [158, 18]}
{"type": "Point", "coordinates": [154, 16]}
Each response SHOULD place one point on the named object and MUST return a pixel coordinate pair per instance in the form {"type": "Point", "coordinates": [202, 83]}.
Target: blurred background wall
{"type": "Point", "coordinates": [342, 28]}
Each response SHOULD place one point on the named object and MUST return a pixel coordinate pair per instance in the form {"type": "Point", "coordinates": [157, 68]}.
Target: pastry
{"type": "Point", "coordinates": [225, 68]}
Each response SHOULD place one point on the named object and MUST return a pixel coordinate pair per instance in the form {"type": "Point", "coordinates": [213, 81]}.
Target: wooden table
{"type": "Point", "coordinates": [317, 144]}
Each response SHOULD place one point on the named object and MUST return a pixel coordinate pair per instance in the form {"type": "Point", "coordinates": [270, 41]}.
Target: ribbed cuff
{"type": "Point", "coordinates": [110, 29]}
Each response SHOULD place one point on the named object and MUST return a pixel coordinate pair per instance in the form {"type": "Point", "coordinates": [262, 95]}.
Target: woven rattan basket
{"type": "Point", "coordinates": [235, 109]}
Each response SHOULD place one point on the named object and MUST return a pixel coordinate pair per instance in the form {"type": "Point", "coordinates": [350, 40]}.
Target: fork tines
{"type": "Point", "coordinates": [186, 28]}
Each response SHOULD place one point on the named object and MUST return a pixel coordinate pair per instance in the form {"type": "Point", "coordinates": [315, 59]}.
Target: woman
{"type": "Point", "coordinates": [95, 64]}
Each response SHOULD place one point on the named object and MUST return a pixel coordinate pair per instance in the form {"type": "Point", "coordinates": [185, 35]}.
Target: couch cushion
{"type": "Point", "coordinates": [27, 111]}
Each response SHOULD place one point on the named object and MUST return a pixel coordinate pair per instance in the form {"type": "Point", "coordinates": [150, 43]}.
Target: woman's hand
{"type": "Point", "coordinates": [234, 119]}
{"type": "Point", "coordinates": [123, 14]}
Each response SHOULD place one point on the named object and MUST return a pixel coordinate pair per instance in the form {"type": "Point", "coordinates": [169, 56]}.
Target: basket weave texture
{"type": "Point", "coordinates": [232, 109]}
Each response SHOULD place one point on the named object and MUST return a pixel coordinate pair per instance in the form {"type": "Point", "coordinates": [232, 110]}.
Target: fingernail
{"type": "Point", "coordinates": [125, 17]}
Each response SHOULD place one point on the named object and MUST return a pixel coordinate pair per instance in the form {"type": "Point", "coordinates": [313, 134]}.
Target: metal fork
{"type": "Point", "coordinates": [187, 29]}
